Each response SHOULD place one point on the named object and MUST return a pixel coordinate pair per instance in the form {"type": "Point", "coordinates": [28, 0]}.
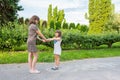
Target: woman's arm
{"type": "Point", "coordinates": [40, 34]}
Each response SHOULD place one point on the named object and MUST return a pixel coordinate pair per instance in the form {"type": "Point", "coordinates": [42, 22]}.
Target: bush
{"type": "Point", "coordinates": [12, 35]}
{"type": "Point", "coordinates": [73, 39]}
{"type": "Point", "coordinates": [72, 26]}
{"type": "Point", "coordinates": [65, 26]}
{"type": "Point", "coordinates": [52, 25]}
{"type": "Point", "coordinates": [84, 28]}
{"type": "Point", "coordinates": [58, 25]}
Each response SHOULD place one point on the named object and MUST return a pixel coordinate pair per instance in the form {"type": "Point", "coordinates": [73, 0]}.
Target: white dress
{"type": "Point", "coordinates": [57, 47]}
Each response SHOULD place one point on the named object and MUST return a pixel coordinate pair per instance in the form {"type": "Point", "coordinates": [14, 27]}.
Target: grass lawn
{"type": "Point", "coordinates": [21, 57]}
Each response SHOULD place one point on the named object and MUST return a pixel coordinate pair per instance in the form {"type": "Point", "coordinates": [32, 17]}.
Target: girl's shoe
{"type": "Point", "coordinates": [35, 72]}
{"type": "Point", "coordinates": [55, 68]}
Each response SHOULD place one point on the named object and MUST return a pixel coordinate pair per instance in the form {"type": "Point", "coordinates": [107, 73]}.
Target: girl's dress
{"type": "Point", "coordinates": [57, 47]}
{"type": "Point", "coordinates": [32, 36]}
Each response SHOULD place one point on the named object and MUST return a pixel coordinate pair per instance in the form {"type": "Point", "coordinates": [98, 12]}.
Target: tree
{"type": "Point", "coordinates": [26, 21]}
{"type": "Point", "coordinates": [84, 28]}
{"type": "Point", "coordinates": [21, 20]}
{"type": "Point", "coordinates": [56, 16]}
{"type": "Point", "coordinates": [100, 12]}
{"type": "Point", "coordinates": [58, 25]}
{"type": "Point", "coordinates": [113, 24]}
{"type": "Point", "coordinates": [8, 10]}
{"type": "Point", "coordinates": [78, 26]}
{"type": "Point", "coordinates": [61, 16]}
{"type": "Point", "coordinates": [65, 25]}
{"type": "Point", "coordinates": [49, 14]}
{"type": "Point", "coordinates": [72, 26]}
{"type": "Point", "coordinates": [44, 24]}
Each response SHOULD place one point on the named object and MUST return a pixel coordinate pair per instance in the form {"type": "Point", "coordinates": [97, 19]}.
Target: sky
{"type": "Point", "coordinates": [74, 9]}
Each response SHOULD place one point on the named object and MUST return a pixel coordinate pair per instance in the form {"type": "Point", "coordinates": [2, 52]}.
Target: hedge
{"type": "Point", "coordinates": [16, 35]}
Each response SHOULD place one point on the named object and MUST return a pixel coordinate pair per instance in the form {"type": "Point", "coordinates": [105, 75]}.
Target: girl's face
{"type": "Point", "coordinates": [56, 34]}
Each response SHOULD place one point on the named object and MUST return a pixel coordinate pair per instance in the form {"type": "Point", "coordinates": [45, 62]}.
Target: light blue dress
{"type": "Point", "coordinates": [57, 47]}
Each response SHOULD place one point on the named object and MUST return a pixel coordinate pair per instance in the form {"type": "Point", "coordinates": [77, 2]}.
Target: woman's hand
{"type": "Point", "coordinates": [41, 35]}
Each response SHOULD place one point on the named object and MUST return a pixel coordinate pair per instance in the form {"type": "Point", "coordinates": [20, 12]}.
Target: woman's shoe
{"type": "Point", "coordinates": [35, 72]}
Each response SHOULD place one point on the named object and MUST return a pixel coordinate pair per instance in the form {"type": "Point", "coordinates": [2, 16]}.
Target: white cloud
{"type": "Point", "coordinates": [117, 5]}
{"type": "Point", "coordinates": [74, 9]}
{"type": "Point", "coordinates": [44, 3]}
{"type": "Point", "coordinates": [77, 16]}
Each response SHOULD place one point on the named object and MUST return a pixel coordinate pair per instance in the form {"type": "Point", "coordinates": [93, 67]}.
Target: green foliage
{"type": "Point", "coordinates": [44, 25]}
{"type": "Point", "coordinates": [21, 20]}
{"type": "Point", "coordinates": [100, 12]}
{"type": "Point", "coordinates": [65, 26]}
{"type": "Point", "coordinates": [78, 26]}
{"type": "Point", "coordinates": [113, 25]}
{"type": "Point", "coordinates": [55, 16]}
{"type": "Point", "coordinates": [49, 14]}
{"type": "Point", "coordinates": [84, 28]}
{"type": "Point", "coordinates": [8, 10]}
{"type": "Point", "coordinates": [72, 26]}
{"type": "Point", "coordinates": [58, 25]}
{"type": "Point", "coordinates": [52, 26]}
{"type": "Point", "coordinates": [12, 35]}
{"type": "Point", "coordinates": [74, 39]}
{"type": "Point", "coordinates": [26, 21]}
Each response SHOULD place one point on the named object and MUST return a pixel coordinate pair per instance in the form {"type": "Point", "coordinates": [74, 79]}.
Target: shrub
{"type": "Point", "coordinates": [84, 28]}
{"type": "Point", "coordinates": [26, 21]}
{"type": "Point", "coordinates": [44, 24]}
{"type": "Point", "coordinates": [58, 25]}
{"type": "Point", "coordinates": [73, 39]}
{"type": "Point", "coordinates": [72, 26]}
{"type": "Point", "coordinates": [12, 35]}
{"type": "Point", "coordinates": [65, 25]}
{"type": "Point", "coordinates": [52, 25]}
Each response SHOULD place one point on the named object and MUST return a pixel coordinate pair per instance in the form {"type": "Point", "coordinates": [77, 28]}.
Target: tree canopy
{"type": "Point", "coordinates": [8, 10]}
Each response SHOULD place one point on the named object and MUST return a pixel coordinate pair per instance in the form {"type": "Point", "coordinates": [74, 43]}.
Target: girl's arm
{"type": "Point", "coordinates": [41, 35]}
{"type": "Point", "coordinates": [58, 39]}
{"type": "Point", "coordinates": [51, 39]}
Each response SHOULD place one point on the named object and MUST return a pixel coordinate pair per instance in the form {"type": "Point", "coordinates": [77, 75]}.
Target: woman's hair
{"type": "Point", "coordinates": [59, 33]}
{"type": "Point", "coordinates": [33, 19]}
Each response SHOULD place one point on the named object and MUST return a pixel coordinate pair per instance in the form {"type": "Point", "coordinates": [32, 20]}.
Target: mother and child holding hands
{"type": "Point", "coordinates": [33, 32]}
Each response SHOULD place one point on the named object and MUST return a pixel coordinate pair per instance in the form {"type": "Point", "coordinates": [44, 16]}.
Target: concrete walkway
{"type": "Point", "coordinates": [88, 69]}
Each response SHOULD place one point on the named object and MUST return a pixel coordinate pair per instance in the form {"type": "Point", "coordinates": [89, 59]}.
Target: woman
{"type": "Point", "coordinates": [33, 31]}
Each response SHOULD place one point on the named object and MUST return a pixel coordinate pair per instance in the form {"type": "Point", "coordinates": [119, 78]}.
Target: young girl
{"type": "Point", "coordinates": [33, 31]}
{"type": "Point", "coordinates": [57, 48]}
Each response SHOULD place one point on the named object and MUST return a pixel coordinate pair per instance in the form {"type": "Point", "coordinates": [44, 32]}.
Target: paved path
{"type": "Point", "coordinates": [88, 69]}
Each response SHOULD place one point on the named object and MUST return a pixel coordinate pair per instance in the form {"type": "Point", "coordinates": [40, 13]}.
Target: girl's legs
{"type": "Point", "coordinates": [34, 61]}
{"type": "Point", "coordinates": [30, 55]}
{"type": "Point", "coordinates": [57, 60]}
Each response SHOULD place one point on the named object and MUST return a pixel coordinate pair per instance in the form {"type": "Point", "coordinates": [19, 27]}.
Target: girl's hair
{"type": "Point", "coordinates": [59, 33]}
{"type": "Point", "coordinates": [33, 19]}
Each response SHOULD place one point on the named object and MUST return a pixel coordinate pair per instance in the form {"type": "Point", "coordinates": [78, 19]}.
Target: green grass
{"type": "Point", "coordinates": [21, 57]}
{"type": "Point", "coordinates": [40, 47]}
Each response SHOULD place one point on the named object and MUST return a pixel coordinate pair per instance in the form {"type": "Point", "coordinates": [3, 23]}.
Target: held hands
{"type": "Point", "coordinates": [47, 40]}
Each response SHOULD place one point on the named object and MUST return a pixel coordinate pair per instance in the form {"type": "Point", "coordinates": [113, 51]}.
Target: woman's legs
{"type": "Point", "coordinates": [30, 55]}
{"type": "Point", "coordinates": [57, 60]}
{"type": "Point", "coordinates": [34, 61]}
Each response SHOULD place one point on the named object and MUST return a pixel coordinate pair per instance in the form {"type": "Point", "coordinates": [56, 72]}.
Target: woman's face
{"type": "Point", "coordinates": [36, 21]}
{"type": "Point", "coordinates": [56, 34]}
